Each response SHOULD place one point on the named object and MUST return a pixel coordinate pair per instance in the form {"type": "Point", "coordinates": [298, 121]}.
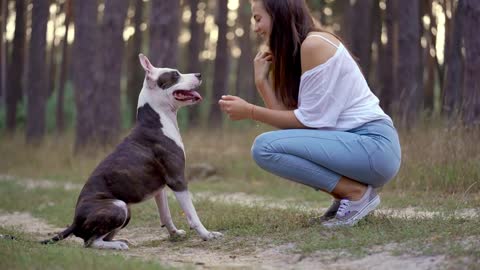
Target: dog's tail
{"type": "Point", "coordinates": [66, 233]}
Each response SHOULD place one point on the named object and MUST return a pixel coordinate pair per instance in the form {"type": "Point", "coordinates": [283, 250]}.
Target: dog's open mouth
{"type": "Point", "coordinates": [187, 95]}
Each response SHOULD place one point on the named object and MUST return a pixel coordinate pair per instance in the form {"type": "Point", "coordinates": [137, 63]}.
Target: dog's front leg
{"type": "Point", "coordinates": [185, 201]}
{"type": "Point", "coordinates": [165, 216]}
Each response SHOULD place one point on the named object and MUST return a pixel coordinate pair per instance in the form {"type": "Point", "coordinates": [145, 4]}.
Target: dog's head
{"type": "Point", "coordinates": [167, 87]}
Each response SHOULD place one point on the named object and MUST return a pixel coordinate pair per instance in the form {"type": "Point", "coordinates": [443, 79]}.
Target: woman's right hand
{"type": "Point", "coordinates": [261, 66]}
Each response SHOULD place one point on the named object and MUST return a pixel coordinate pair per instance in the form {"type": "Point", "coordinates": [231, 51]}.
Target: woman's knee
{"type": "Point", "coordinates": [261, 148]}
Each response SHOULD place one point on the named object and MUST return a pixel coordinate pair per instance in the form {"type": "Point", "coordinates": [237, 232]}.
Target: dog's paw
{"type": "Point", "coordinates": [117, 245]}
{"type": "Point", "coordinates": [178, 233]}
{"type": "Point", "coordinates": [120, 245]}
{"type": "Point", "coordinates": [212, 235]}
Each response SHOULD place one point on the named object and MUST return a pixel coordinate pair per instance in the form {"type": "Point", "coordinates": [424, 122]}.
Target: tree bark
{"type": "Point", "coordinates": [52, 63]}
{"type": "Point", "coordinates": [164, 29]}
{"type": "Point", "coordinates": [108, 114]}
{"type": "Point", "coordinates": [360, 32]}
{"type": "Point", "coordinates": [60, 111]}
{"type": "Point", "coordinates": [409, 70]}
{"type": "Point", "coordinates": [377, 24]}
{"type": "Point", "coordinates": [245, 86]}
{"type": "Point", "coordinates": [220, 80]}
{"type": "Point", "coordinates": [3, 51]}
{"type": "Point", "coordinates": [193, 65]}
{"type": "Point", "coordinates": [84, 71]}
{"type": "Point", "coordinates": [427, 58]}
{"type": "Point", "coordinates": [471, 88]}
{"type": "Point", "coordinates": [386, 63]}
{"type": "Point", "coordinates": [37, 81]}
{"type": "Point", "coordinates": [454, 64]}
{"type": "Point", "coordinates": [15, 82]}
{"type": "Point", "coordinates": [135, 71]}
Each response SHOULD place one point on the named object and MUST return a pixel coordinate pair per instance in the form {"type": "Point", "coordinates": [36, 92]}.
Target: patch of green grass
{"type": "Point", "coordinates": [439, 173]}
{"type": "Point", "coordinates": [417, 234]}
{"type": "Point", "coordinates": [24, 253]}
{"type": "Point", "coordinates": [247, 228]}
{"type": "Point", "coordinates": [54, 205]}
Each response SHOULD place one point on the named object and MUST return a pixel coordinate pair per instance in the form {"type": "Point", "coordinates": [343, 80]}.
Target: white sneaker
{"type": "Point", "coordinates": [350, 212]}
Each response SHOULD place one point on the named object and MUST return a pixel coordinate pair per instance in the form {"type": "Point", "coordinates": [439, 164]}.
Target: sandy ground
{"type": "Point", "coordinates": [155, 244]}
{"type": "Point", "coordinates": [256, 201]}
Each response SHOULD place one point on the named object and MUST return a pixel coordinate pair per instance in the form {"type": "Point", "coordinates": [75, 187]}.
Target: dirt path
{"type": "Point", "coordinates": [249, 200]}
{"type": "Point", "coordinates": [256, 201]}
{"type": "Point", "coordinates": [153, 244]}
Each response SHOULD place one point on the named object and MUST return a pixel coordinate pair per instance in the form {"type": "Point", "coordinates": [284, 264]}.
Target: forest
{"type": "Point", "coordinates": [70, 79]}
{"type": "Point", "coordinates": [73, 65]}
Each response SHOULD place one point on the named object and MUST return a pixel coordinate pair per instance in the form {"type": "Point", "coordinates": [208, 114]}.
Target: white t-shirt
{"type": "Point", "coordinates": [336, 96]}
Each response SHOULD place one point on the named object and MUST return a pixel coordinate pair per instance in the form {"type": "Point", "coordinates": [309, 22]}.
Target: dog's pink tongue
{"type": "Point", "coordinates": [196, 94]}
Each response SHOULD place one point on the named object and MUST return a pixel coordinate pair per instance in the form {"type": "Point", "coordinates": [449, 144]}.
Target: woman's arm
{"type": "Point", "coordinates": [268, 96]}
{"type": "Point", "coordinates": [261, 66]}
{"type": "Point", "coordinates": [239, 109]}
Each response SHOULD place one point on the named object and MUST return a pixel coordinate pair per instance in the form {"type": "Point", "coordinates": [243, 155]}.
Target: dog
{"type": "Point", "coordinates": [150, 158]}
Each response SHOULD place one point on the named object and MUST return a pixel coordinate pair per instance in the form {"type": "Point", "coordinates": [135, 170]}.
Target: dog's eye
{"type": "Point", "coordinates": [167, 79]}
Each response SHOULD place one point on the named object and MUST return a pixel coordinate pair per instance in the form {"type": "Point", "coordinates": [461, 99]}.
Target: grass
{"type": "Point", "coordinates": [439, 172]}
{"type": "Point", "coordinates": [24, 254]}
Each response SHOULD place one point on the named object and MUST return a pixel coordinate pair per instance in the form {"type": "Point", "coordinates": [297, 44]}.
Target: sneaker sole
{"type": "Point", "coordinates": [361, 214]}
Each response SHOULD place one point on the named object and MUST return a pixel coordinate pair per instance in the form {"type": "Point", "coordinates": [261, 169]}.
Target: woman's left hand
{"type": "Point", "coordinates": [235, 107]}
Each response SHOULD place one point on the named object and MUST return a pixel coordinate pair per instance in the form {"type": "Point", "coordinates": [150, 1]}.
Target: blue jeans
{"type": "Point", "coordinates": [369, 154]}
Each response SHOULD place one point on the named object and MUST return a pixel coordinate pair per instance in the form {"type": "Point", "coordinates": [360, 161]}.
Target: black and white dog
{"type": "Point", "coordinates": [151, 157]}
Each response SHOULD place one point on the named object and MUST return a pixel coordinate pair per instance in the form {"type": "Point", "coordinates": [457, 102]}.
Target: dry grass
{"type": "Point", "coordinates": [434, 158]}
{"type": "Point", "coordinates": [440, 159]}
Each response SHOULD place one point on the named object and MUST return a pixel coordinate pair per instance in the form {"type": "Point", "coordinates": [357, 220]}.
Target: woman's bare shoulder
{"type": "Point", "coordinates": [316, 51]}
{"type": "Point", "coordinates": [331, 37]}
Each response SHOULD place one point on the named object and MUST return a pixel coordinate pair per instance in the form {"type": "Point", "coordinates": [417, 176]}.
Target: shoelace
{"type": "Point", "coordinates": [343, 208]}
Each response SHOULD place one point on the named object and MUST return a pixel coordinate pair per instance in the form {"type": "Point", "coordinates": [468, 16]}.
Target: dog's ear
{"type": "Point", "coordinates": [148, 67]}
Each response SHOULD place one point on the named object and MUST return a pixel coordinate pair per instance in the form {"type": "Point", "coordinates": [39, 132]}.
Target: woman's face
{"type": "Point", "coordinates": [263, 22]}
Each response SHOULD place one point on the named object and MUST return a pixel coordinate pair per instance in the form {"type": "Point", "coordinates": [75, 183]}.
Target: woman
{"type": "Point", "coordinates": [333, 134]}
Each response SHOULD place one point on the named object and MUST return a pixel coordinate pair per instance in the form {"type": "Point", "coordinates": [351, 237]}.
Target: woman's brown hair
{"type": "Point", "coordinates": [291, 23]}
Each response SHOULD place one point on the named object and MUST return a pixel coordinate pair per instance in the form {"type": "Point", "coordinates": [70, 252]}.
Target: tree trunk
{"type": "Point", "coordinates": [360, 32]}
{"type": "Point", "coordinates": [454, 64]}
{"type": "Point", "coordinates": [135, 71]}
{"type": "Point", "coordinates": [84, 71]}
{"type": "Point", "coordinates": [37, 81]}
{"type": "Point", "coordinates": [164, 29]}
{"type": "Point", "coordinates": [386, 63]}
{"type": "Point", "coordinates": [346, 21]}
{"type": "Point", "coordinates": [453, 84]}
{"type": "Point", "coordinates": [15, 82]}
{"type": "Point", "coordinates": [60, 112]}
{"type": "Point", "coordinates": [3, 51]}
{"type": "Point", "coordinates": [409, 72]}
{"type": "Point", "coordinates": [471, 87]}
{"type": "Point", "coordinates": [220, 80]}
{"type": "Point", "coordinates": [108, 114]}
{"type": "Point", "coordinates": [427, 58]}
{"type": "Point", "coordinates": [52, 65]}
{"type": "Point", "coordinates": [377, 24]}
{"type": "Point", "coordinates": [193, 66]}
{"type": "Point", "coordinates": [245, 86]}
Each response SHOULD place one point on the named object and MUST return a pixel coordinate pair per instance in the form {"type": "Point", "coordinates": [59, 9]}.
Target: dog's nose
{"type": "Point", "coordinates": [198, 75]}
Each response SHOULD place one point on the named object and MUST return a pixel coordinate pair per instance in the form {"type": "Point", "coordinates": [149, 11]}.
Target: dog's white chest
{"type": "Point", "coordinates": [171, 131]}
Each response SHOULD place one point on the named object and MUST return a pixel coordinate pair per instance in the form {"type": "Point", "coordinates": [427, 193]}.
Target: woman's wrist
{"type": "Point", "coordinates": [252, 111]}
{"type": "Point", "coordinates": [262, 84]}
